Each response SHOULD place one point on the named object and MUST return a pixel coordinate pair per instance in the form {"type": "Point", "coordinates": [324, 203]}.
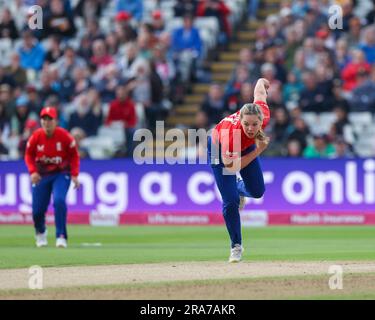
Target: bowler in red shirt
{"type": "Point", "coordinates": [234, 146]}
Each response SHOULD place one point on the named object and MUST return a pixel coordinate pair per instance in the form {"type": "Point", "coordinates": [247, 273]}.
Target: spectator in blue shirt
{"type": "Point", "coordinates": [31, 52]}
{"type": "Point", "coordinates": [187, 38]}
{"type": "Point", "coordinates": [187, 49]}
{"type": "Point", "coordinates": [368, 46]}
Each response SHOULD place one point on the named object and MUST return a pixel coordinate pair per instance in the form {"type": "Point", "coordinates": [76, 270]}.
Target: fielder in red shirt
{"type": "Point", "coordinates": [234, 146]}
{"type": "Point", "coordinates": [52, 160]}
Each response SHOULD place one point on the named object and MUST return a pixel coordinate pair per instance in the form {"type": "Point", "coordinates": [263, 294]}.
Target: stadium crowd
{"type": "Point", "coordinates": [322, 92]}
{"type": "Point", "coordinates": [99, 62]}
{"type": "Point", "coordinates": [108, 62]}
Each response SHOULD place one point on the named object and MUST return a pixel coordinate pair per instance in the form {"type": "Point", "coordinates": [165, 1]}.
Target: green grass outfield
{"type": "Point", "coordinates": [148, 244]}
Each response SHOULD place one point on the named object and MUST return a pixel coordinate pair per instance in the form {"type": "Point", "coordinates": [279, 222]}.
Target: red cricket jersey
{"type": "Point", "coordinates": [231, 136]}
{"type": "Point", "coordinates": [47, 155]}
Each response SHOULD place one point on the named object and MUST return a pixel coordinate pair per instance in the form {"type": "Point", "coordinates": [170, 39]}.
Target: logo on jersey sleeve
{"type": "Point", "coordinates": [40, 147]}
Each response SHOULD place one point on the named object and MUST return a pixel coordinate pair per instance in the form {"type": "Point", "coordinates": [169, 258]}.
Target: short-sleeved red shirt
{"type": "Point", "coordinates": [57, 153]}
{"type": "Point", "coordinates": [231, 136]}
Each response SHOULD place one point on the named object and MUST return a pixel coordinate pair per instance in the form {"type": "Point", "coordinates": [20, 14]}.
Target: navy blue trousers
{"type": "Point", "coordinates": [251, 185]}
{"type": "Point", "coordinates": [58, 185]}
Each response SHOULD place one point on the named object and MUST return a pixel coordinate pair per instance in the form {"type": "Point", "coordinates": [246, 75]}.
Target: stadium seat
{"type": "Point", "coordinates": [105, 24]}
{"type": "Point", "coordinates": [74, 3]}
{"type": "Point", "coordinates": [141, 115]}
{"type": "Point", "coordinates": [326, 119]}
{"type": "Point", "coordinates": [210, 23]}
{"type": "Point", "coordinates": [167, 9]}
{"type": "Point", "coordinates": [207, 40]}
{"type": "Point", "coordinates": [115, 132]}
{"type": "Point", "coordinates": [168, 14]}
{"type": "Point", "coordinates": [358, 128]}
{"type": "Point", "coordinates": [363, 118]}
{"type": "Point", "coordinates": [109, 9]}
{"type": "Point", "coordinates": [362, 124]}
{"type": "Point", "coordinates": [149, 6]}
{"type": "Point", "coordinates": [364, 146]}
{"type": "Point", "coordinates": [349, 134]}
{"type": "Point", "coordinates": [237, 9]}
{"type": "Point", "coordinates": [167, 3]}
{"type": "Point", "coordinates": [12, 143]}
{"type": "Point", "coordinates": [6, 49]}
{"type": "Point", "coordinates": [370, 130]}
{"type": "Point", "coordinates": [173, 24]}
{"type": "Point", "coordinates": [209, 30]}
{"type": "Point", "coordinates": [105, 110]}
{"type": "Point", "coordinates": [99, 147]}
{"type": "Point", "coordinates": [310, 118]}
{"type": "Point", "coordinates": [80, 25]}
{"type": "Point", "coordinates": [74, 43]}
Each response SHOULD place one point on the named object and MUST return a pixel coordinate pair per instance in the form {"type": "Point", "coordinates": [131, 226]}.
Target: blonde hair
{"type": "Point", "coordinates": [253, 109]}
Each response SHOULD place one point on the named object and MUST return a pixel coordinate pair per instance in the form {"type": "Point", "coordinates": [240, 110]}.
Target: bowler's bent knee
{"type": "Point", "coordinates": [231, 206]}
{"type": "Point", "coordinates": [258, 193]}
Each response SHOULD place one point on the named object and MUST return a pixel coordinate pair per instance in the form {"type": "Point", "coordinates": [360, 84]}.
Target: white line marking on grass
{"type": "Point", "coordinates": [92, 244]}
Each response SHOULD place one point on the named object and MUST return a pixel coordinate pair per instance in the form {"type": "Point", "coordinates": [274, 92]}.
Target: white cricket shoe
{"type": "Point", "coordinates": [41, 239]}
{"type": "Point", "coordinates": [61, 243]}
{"type": "Point", "coordinates": [236, 253]}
